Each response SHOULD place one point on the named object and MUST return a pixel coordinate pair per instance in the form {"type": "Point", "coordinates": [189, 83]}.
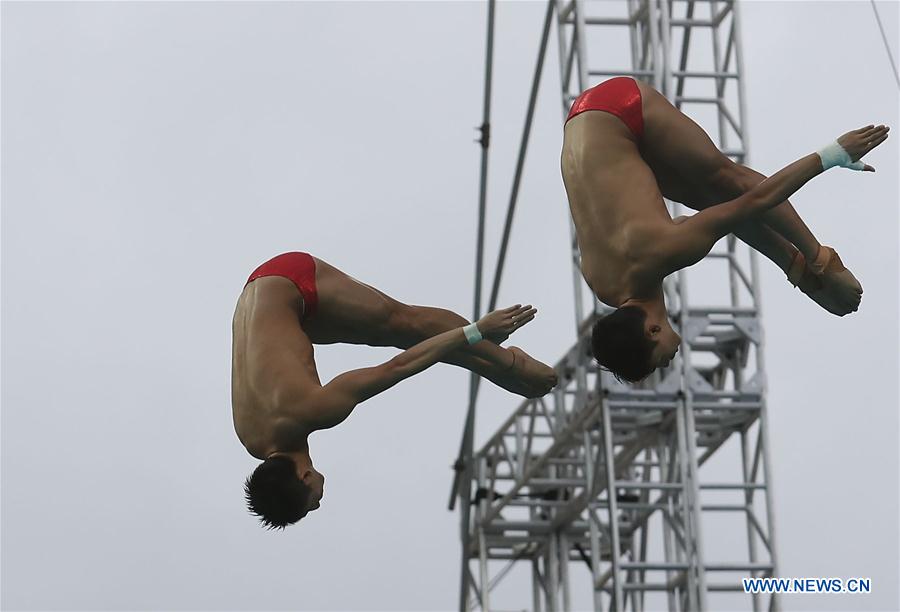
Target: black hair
{"type": "Point", "coordinates": [620, 345]}
{"type": "Point", "coordinates": [275, 494]}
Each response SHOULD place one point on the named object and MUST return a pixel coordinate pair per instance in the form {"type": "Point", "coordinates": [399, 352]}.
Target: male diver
{"type": "Point", "coordinates": [296, 300]}
{"type": "Point", "coordinates": [618, 164]}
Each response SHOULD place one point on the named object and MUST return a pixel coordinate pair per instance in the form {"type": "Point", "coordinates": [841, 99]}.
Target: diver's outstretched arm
{"type": "Point", "coordinates": [338, 398]}
{"type": "Point", "coordinates": [688, 242]}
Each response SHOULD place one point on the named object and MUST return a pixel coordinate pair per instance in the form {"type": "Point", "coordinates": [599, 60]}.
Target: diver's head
{"type": "Point", "coordinates": [632, 341]}
{"type": "Point", "coordinates": [281, 492]}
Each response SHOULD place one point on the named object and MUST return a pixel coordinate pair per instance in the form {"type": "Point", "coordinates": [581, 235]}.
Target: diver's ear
{"type": "Point", "coordinates": [655, 329]}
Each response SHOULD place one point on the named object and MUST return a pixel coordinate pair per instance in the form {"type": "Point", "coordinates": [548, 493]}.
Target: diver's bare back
{"type": "Point", "coordinates": [615, 203]}
{"type": "Point", "coordinates": [273, 368]}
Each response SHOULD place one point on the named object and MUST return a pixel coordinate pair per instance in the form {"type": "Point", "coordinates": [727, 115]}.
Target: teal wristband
{"type": "Point", "coordinates": [472, 333]}
{"type": "Point", "coordinates": [834, 154]}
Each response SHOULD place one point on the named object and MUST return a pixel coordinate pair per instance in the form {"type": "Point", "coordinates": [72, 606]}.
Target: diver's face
{"type": "Point", "coordinates": [316, 482]}
{"type": "Point", "coordinates": [667, 343]}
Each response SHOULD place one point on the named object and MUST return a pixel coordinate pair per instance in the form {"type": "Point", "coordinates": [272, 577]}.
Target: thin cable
{"type": "Point", "coordinates": [886, 46]}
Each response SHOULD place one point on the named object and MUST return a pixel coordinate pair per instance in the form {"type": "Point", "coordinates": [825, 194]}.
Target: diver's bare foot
{"type": "Point", "coordinates": [827, 282]}
{"type": "Point", "coordinates": [837, 281]}
{"type": "Point", "coordinates": [540, 377]}
{"type": "Point", "coordinates": [513, 384]}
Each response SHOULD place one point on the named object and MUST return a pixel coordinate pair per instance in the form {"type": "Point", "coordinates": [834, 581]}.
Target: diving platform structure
{"type": "Point", "coordinates": [633, 497]}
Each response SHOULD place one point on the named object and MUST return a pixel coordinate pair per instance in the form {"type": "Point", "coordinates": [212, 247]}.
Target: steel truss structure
{"type": "Point", "coordinates": [600, 482]}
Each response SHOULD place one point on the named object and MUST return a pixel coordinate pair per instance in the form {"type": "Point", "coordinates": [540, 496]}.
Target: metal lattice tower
{"type": "Point", "coordinates": [614, 485]}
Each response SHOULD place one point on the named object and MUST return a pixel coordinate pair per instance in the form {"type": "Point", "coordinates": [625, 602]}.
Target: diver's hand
{"type": "Point", "coordinates": [496, 326]}
{"type": "Point", "coordinates": [859, 142]}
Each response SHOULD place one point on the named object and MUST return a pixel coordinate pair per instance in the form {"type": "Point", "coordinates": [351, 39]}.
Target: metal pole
{"type": "Point", "coordinates": [666, 474]}
{"type": "Point", "coordinates": [686, 509]}
{"type": "Point", "coordinates": [615, 547]}
{"type": "Point", "coordinates": [552, 561]}
{"type": "Point", "coordinates": [591, 493]}
{"type": "Point", "coordinates": [757, 301]}
{"type": "Point", "coordinates": [578, 41]}
{"type": "Point", "coordinates": [520, 162]}
{"type": "Point", "coordinates": [482, 546]}
{"type": "Point", "coordinates": [563, 552]}
{"type": "Point", "coordinates": [535, 585]}
{"type": "Point", "coordinates": [748, 500]}
{"type": "Point", "coordinates": [721, 66]}
{"type": "Point", "coordinates": [463, 477]}
{"type": "Point", "coordinates": [665, 33]}
{"type": "Point", "coordinates": [652, 18]}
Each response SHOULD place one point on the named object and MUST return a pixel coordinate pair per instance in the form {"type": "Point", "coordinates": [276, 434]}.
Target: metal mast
{"type": "Point", "coordinates": [599, 483]}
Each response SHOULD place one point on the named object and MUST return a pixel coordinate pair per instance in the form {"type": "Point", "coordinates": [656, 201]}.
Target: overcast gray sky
{"type": "Point", "coordinates": [154, 153]}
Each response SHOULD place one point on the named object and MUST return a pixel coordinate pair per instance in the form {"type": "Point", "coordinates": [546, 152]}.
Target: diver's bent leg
{"type": "Point", "coordinates": [410, 325]}
{"type": "Point", "coordinates": [836, 290]}
{"type": "Point", "coordinates": [783, 218]}
{"type": "Point", "coordinates": [511, 369]}
{"type": "Point", "coordinates": [685, 159]}
{"type": "Point", "coordinates": [768, 242]}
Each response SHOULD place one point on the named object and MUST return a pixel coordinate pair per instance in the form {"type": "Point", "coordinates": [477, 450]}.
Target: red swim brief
{"type": "Point", "coordinates": [297, 267]}
{"type": "Point", "coordinates": [619, 96]}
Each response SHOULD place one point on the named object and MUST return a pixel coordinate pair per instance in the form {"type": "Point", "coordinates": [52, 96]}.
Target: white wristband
{"type": "Point", "coordinates": [472, 333]}
{"type": "Point", "coordinates": [834, 154]}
